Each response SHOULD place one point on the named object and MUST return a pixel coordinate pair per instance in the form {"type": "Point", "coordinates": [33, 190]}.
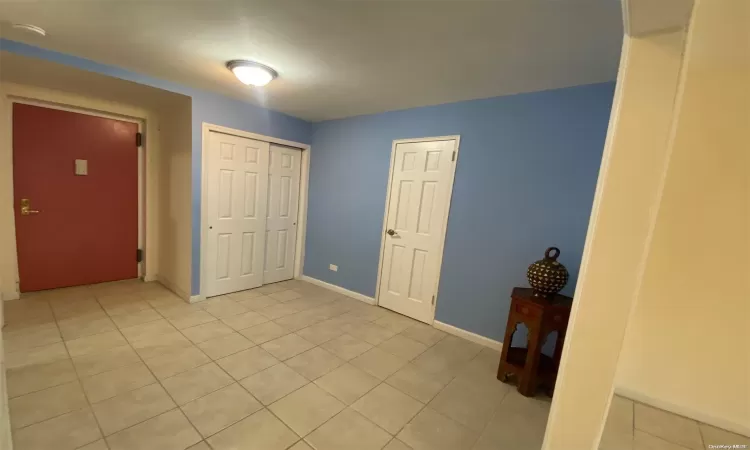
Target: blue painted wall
{"type": "Point", "coordinates": [206, 107]}
{"type": "Point", "coordinates": [525, 181]}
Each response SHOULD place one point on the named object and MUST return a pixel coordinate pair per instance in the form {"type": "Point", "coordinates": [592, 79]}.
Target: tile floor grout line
{"type": "Point", "coordinates": [703, 438]}
{"type": "Point", "coordinates": [665, 440]}
{"type": "Point", "coordinates": [108, 371]}
{"type": "Point", "coordinates": [302, 438]}
{"type": "Point", "coordinates": [50, 418]}
{"type": "Point", "coordinates": [340, 412]}
{"type": "Point", "coordinates": [159, 382]}
{"type": "Point", "coordinates": [36, 346]}
{"type": "Point", "coordinates": [143, 361]}
{"type": "Point", "coordinates": [44, 388]}
{"type": "Point", "coordinates": [83, 392]}
{"type": "Point", "coordinates": [80, 384]}
{"type": "Point", "coordinates": [263, 406]}
{"type": "Point", "coordinates": [632, 416]}
{"type": "Point", "coordinates": [178, 373]}
{"type": "Point", "coordinates": [205, 438]}
{"type": "Point", "coordinates": [177, 406]}
{"type": "Point", "coordinates": [339, 313]}
{"type": "Point", "coordinates": [346, 406]}
{"type": "Point", "coordinates": [355, 401]}
{"type": "Point", "coordinates": [91, 405]}
{"type": "Point", "coordinates": [697, 423]}
{"type": "Point", "coordinates": [283, 396]}
{"type": "Point", "coordinates": [424, 405]}
{"type": "Point", "coordinates": [204, 395]}
{"type": "Point", "coordinates": [427, 405]}
{"type": "Point", "coordinates": [59, 333]}
{"type": "Point", "coordinates": [211, 361]}
{"type": "Point", "coordinates": [494, 412]}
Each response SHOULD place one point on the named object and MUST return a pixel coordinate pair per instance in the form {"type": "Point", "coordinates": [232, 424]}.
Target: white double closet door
{"type": "Point", "coordinates": [252, 202]}
{"type": "Point", "coordinates": [281, 218]}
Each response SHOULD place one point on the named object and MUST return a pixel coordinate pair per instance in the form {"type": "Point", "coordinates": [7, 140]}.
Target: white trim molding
{"type": "Point", "coordinates": [10, 295]}
{"type": "Point", "coordinates": [450, 329]}
{"type": "Point", "coordinates": [699, 415]}
{"type": "Point", "coordinates": [647, 17]}
{"type": "Point", "coordinates": [196, 298]}
{"type": "Point", "coordinates": [299, 254]}
{"type": "Point", "coordinates": [468, 335]}
{"type": "Point", "coordinates": [339, 289]}
{"type": "Point", "coordinates": [250, 135]}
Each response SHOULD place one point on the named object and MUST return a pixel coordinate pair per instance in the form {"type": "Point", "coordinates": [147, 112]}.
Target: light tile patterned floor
{"type": "Point", "coordinates": [127, 365]}
{"type": "Point", "coordinates": [635, 426]}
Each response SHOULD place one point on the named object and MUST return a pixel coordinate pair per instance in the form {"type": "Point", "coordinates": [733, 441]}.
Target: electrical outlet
{"type": "Point", "coordinates": [333, 267]}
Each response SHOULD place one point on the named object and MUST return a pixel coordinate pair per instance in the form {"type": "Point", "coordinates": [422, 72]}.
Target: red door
{"type": "Point", "coordinates": [86, 227]}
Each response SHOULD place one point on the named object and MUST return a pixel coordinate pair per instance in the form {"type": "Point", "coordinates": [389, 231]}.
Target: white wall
{"type": "Point", "coordinates": [175, 198]}
{"type": "Point", "coordinates": [5, 436]}
{"type": "Point", "coordinates": [665, 268]}
{"type": "Point", "coordinates": [633, 164]}
{"type": "Point", "coordinates": [7, 270]}
{"type": "Point", "coordinates": [687, 347]}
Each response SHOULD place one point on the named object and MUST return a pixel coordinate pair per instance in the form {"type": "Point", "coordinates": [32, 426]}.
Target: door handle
{"type": "Point", "coordinates": [391, 232]}
{"type": "Point", "coordinates": [26, 207]}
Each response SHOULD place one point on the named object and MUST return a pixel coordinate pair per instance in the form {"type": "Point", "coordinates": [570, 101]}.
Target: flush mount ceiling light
{"type": "Point", "coordinates": [250, 72]}
{"type": "Point", "coordinates": [29, 27]}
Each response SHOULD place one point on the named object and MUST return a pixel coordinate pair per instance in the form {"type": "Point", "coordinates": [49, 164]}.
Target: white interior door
{"type": "Point", "coordinates": [417, 208]}
{"type": "Point", "coordinates": [237, 184]}
{"type": "Point", "coordinates": [281, 223]}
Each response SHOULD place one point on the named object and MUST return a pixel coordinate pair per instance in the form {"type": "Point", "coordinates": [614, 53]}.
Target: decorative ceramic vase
{"type": "Point", "coordinates": [547, 276]}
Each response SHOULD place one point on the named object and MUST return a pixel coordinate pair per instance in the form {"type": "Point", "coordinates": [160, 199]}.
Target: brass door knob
{"type": "Point", "coordinates": [26, 207]}
{"type": "Point", "coordinates": [391, 232]}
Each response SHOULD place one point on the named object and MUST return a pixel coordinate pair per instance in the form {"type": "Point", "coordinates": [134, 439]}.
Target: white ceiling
{"type": "Point", "coordinates": [341, 58]}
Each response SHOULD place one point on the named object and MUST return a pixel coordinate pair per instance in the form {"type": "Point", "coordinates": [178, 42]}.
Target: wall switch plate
{"type": "Point", "coordinates": [82, 167]}
{"type": "Point", "coordinates": [333, 267]}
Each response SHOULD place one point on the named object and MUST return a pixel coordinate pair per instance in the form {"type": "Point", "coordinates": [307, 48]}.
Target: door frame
{"type": "Point", "coordinates": [142, 175]}
{"type": "Point", "coordinates": [299, 251]}
{"type": "Point", "coordinates": [457, 138]}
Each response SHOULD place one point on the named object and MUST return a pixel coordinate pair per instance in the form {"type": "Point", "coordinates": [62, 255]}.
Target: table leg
{"type": "Point", "coordinates": [528, 383]}
{"type": "Point", "coordinates": [510, 330]}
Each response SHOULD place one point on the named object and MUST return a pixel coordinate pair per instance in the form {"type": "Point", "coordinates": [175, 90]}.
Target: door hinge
{"type": "Point", "coordinates": [138, 139]}
{"type": "Point", "coordinates": [139, 255]}
{"type": "Point", "coordinates": [453, 158]}
{"type": "Point", "coordinates": [433, 300]}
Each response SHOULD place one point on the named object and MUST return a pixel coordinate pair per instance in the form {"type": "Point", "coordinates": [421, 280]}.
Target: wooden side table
{"type": "Point", "coordinates": [541, 316]}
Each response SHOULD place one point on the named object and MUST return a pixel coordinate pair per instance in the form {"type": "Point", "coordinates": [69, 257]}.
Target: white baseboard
{"type": "Point", "coordinates": [450, 329]}
{"type": "Point", "coordinates": [339, 289]}
{"type": "Point", "coordinates": [196, 298]}
{"type": "Point", "coordinates": [11, 295]}
{"type": "Point", "coordinates": [172, 287]}
{"type": "Point", "coordinates": [695, 414]}
{"type": "Point", "coordinates": [468, 335]}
